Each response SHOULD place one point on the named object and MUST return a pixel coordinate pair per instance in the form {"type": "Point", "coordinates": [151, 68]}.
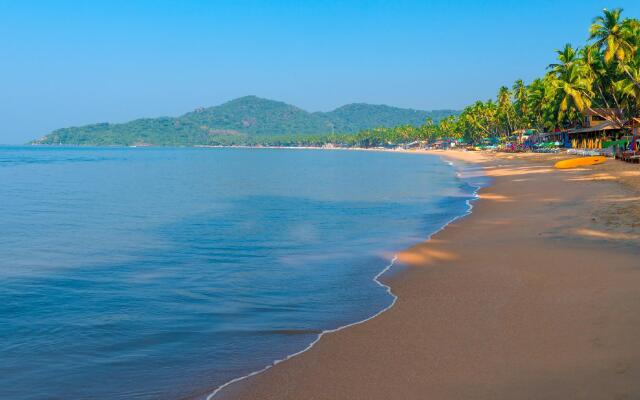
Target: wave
{"type": "Point", "coordinates": [461, 169]}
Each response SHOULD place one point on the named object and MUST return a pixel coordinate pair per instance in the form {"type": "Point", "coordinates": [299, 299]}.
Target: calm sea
{"type": "Point", "coordinates": [151, 273]}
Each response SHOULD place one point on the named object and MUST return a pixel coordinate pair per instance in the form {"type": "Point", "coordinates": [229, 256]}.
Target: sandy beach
{"type": "Point", "coordinates": [535, 295]}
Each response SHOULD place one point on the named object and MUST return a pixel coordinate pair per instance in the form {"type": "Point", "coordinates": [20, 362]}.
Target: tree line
{"type": "Point", "coordinates": [603, 74]}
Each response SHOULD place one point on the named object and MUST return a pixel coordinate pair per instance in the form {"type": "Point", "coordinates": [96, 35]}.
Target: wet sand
{"type": "Point", "coordinates": [535, 295]}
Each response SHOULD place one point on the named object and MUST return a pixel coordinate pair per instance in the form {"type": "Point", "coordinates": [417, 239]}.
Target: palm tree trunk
{"type": "Point", "coordinates": [603, 96]}
{"type": "Point", "coordinates": [635, 82]}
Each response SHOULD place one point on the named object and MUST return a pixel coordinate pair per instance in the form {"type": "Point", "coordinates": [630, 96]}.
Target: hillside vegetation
{"type": "Point", "coordinates": [243, 120]}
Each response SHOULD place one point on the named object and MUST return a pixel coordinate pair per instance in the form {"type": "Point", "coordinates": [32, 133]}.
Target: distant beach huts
{"type": "Point", "coordinates": [602, 131]}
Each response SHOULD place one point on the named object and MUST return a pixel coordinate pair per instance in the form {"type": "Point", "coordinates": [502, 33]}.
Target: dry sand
{"type": "Point", "coordinates": [535, 295]}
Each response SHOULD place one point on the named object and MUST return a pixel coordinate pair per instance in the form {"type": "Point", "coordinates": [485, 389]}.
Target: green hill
{"type": "Point", "coordinates": [236, 121]}
{"type": "Point", "coordinates": [359, 116]}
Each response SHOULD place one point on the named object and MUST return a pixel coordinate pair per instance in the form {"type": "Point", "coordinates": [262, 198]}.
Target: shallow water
{"type": "Point", "coordinates": [163, 273]}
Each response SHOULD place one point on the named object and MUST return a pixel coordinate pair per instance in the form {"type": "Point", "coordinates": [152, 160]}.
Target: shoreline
{"type": "Point", "coordinates": [312, 374]}
{"type": "Point", "coordinates": [378, 278]}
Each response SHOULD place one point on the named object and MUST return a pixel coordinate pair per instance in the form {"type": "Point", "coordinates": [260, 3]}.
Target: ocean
{"type": "Point", "coordinates": [163, 273]}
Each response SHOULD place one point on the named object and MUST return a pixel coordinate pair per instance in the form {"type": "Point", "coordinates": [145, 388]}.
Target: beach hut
{"type": "Point", "coordinates": [589, 137]}
{"type": "Point", "coordinates": [600, 127]}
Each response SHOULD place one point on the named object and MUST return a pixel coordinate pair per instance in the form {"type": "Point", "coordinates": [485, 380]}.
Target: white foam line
{"type": "Point", "coordinates": [376, 279]}
{"type": "Point", "coordinates": [290, 356]}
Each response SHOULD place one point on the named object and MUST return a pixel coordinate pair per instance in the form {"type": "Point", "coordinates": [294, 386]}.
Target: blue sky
{"type": "Point", "coordinates": [76, 62]}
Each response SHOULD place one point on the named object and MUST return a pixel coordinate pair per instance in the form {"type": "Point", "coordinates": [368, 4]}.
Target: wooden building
{"type": "Point", "coordinates": [600, 126]}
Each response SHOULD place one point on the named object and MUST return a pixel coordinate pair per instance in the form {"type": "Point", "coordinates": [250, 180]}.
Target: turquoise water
{"type": "Point", "coordinates": [164, 273]}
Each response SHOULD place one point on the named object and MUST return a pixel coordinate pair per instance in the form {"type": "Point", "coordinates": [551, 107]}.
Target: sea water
{"type": "Point", "coordinates": [153, 273]}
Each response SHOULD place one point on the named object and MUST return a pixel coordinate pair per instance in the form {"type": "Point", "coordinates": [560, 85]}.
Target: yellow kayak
{"type": "Point", "coordinates": [580, 162]}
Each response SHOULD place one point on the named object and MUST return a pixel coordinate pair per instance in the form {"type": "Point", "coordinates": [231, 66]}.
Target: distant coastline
{"type": "Point", "coordinates": [244, 121]}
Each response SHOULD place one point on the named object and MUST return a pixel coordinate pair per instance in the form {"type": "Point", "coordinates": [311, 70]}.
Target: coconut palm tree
{"type": "Point", "coordinates": [598, 71]}
{"type": "Point", "coordinates": [572, 90]}
{"type": "Point", "coordinates": [629, 88]}
{"type": "Point", "coordinates": [521, 105]}
{"type": "Point", "coordinates": [567, 56]}
{"type": "Point", "coordinates": [480, 120]}
{"type": "Point", "coordinates": [448, 128]}
{"type": "Point", "coordinates": [536, 103]}
{"type": "Point", "coordinates": [612, 35]}
{"type": "Point", "coordinates": [505, 109]}
{"type": "Point", "coordinates": [633, 62]}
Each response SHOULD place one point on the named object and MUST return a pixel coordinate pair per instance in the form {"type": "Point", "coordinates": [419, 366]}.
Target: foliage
{"type": "Point", "coordinates": [240, 121]}
{"type": "Point", "coordinates": [605, 73]}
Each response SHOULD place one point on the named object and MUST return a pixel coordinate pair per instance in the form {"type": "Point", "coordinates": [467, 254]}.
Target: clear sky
{"type": "Point", "coordinates": [75, 62]}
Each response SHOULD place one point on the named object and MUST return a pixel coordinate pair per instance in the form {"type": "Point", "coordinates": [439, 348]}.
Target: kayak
{"type": "Point", "coordinates": [580, 162]}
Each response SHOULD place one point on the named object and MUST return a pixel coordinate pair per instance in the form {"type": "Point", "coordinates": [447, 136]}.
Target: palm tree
{"type": "Point", "coordinates": [425, 131]}
{"type": "Point", "coordinates": [603, 74]}
{"type": "Point", "coordinates": [633, 62]}
{"type": "Point", "coordinates": [536, 103]}
{"type": "Point", "coordinates": [479, 120]}
{"type": "Point", "coordinates": [629, 88]}
{"type": "Point", "coordinates": [505, 108]}
{"type": "Point", "coordinates": [567, 56]}
{"type": "Point", "coordinates": [521, 95]}
{"type": "Point", "coordinates": [597, 71]}
{"type": "Point", "coordinates": [612, 35]}
{"type": "Point", "coordinates": [448, 128]}
{"type": "Point", "coordinates": [573, 91]}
